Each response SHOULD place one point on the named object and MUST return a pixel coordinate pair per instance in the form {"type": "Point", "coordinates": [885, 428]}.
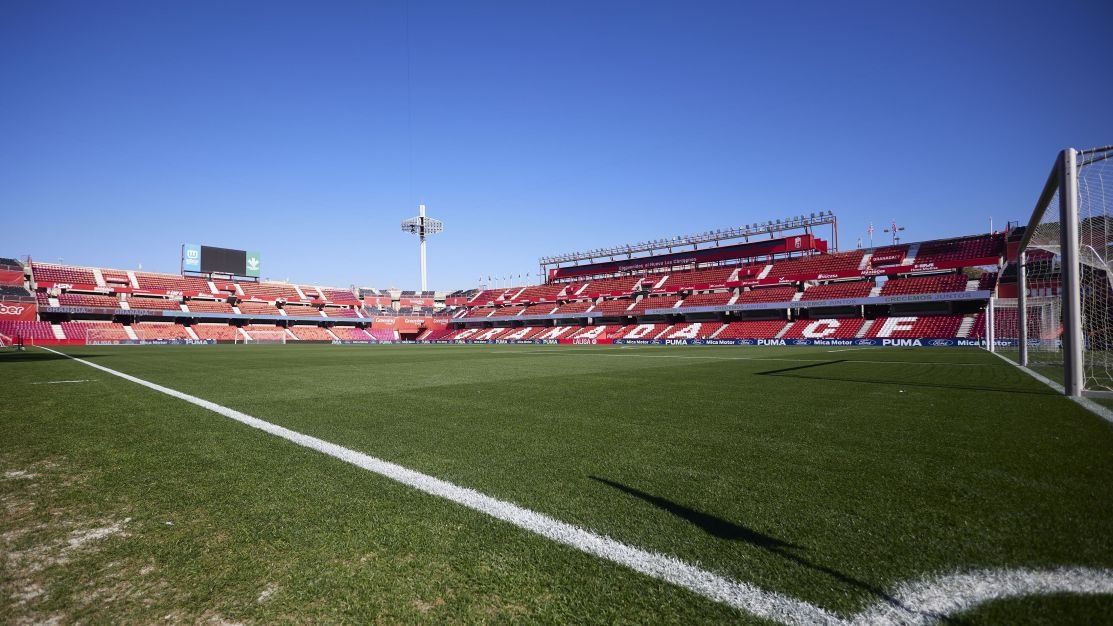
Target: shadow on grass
{"type": "Point", "coordinates": [792, 372]}
{"type": "Point", "coordinates": [31, 355]}
{"type": "Point", "coordinates": [725, 529]}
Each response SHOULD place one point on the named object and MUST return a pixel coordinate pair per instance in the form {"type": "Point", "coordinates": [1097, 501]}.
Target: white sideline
{"type": "Point", "coordinates": [1085, 403]}
{"type": "Point", "coordinates": [922, 602]}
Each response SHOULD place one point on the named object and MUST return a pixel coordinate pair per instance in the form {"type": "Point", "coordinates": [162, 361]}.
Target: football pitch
{"type": "Point", "coordinates": [551, 484]}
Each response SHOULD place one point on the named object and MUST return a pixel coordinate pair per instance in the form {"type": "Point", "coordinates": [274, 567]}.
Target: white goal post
{"type": "Point", "coordinates": [263, 337]}
{"type": "Point", "coordinates": [1065, 274]}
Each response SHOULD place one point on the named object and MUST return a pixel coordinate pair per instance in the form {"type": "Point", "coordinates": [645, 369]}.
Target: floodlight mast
{"type": "Point", "coordinates": [422, 226]}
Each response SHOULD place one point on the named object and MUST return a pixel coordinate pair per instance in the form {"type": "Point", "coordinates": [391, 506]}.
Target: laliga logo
{"type": "Point", "coordinates": [6, 309]}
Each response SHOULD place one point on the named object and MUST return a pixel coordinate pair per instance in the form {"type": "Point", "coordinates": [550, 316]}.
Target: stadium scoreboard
{"type": "Point", "coordinates": [213, 260]}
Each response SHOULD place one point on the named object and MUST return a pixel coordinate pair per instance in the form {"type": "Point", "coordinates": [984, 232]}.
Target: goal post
{"type": "Point", "coordinates": [1065, 274]}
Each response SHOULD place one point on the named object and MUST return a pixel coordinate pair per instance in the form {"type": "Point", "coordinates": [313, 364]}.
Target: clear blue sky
{"type": "Point", "coordinates": [309, 130]}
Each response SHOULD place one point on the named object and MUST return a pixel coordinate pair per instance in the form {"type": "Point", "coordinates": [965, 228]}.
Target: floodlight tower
{"type": "Point", "coordinates": [422, 226]}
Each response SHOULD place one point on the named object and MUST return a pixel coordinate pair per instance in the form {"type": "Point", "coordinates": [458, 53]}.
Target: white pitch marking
{"type": "Point", "coordinates": [922, 602]}
{"type": "Point", "coordinates": [850, 349]}
{"type": "Point", "coordinates": [59, 382]}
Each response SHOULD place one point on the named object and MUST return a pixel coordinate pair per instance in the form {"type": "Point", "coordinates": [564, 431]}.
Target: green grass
{"type": "Point", "coordinates": [827, 476]}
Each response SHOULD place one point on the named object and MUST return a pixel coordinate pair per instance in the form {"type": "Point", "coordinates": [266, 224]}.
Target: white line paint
{"type": "Point", "coordinates": [60, 382]}
{"type": "Point", "coordinates": [1085, 403]}
{"type": "Point", "coordinates": [916, 603]}
{"type": "Point", "coordinates": [850, 349]}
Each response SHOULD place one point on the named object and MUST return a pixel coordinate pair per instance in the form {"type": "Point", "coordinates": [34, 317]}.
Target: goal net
{"type": "Point", "coordinates": [1067, 277]}
{"type": "Point", "coordinates": [265, 336]}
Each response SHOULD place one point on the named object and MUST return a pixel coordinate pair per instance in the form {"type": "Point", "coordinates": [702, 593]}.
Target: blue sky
{"type": "Point", "coordinates": [308, 131]}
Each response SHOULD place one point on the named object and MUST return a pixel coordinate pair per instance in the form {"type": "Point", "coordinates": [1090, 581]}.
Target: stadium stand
{"type": "Point", "coordinates": [833, 291]}
{"type": "Point", "coordinates": [974, 247]}
{"type": "Point", "coordinates": [382, 334]}
{"type": "Point", "coordinates": [351, 333]}
{"type": "Point", "coordinates": [924, 284]}
{"type": "Point", "coordinates": [767, 294]}
{"type": "Point", "coordinates": [107, 331]}
{"type": "Point", "coordinates": [340, 296]}
{"type": "Point", "coordinates": [161, 304]}
{"type": "Point", "coordinates": [480, 312]}
{"type": "Point", "coordinates": [115, 278]}
{"type": "Point", "coordinates": [653, 302]}
{"type": "Point", "coordinates": [764, 329]}
{"type": "Point", "coordinates": [580, 306]}
{"type": "Point", "coordinates": [508, 311]}
{"type": "Point", "coordinates": [987, 281]}
{"type": "Point", "coordinates": [638, 331]}
{"type": "Point", "coordinates": [617, 306]}
{"type": "Point", "coordinates": [718, 298]}
{"type": "Point", "coordinates": [691, 278]}
{"type": "Point", "coordinates": [219, 332]}
{"type": "Point", "coordinates": [912, 326]}
{"type": "Point", "coordinates": [487, 296]}
{"type": "Point", "coordinates": [208, 306]}
{"type": "Point", "coordinates": [85, 300]}
{"type": "Point", "coordinates": [269, 291]}
{"type": "Point", "coordinates": [625, 284]}
{"type": "Point", "coordinates": [310, 333]}
{"type": "Point", "coordinates": [845, 328]}
{"type": "Point", "coordinates": [537, 293]}
{"type": "Point", "coordinates": [11, 291]}
{"type": "Point", "coordinates": [817, 264]}
{"type": "Point", "coordinates": [302, 311]}
{"type": "Point", "coordinates": [257, 308]}
{"type": "Point", "coordinates": [156, 331]}
{"type": "Point", "coordinates": [540, 309]}
{"type": "Point", "coordinates": [270, 328]}
{"type": "Point", "coordinates": [172, 282]}
{"type": "Point", "coordinates": [27, 329]}
{"type": "Point", "coordinates": [44, 272]}
{"type": "Point", "coordinates": [888, 255]}
{"type": "Point", "coordinates": [692, 330]}
{"type": "Point", "coordinates": [332, 311]}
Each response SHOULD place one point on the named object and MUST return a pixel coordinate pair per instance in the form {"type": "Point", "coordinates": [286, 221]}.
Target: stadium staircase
{"type": "Point", "coordinates": [131, 333]}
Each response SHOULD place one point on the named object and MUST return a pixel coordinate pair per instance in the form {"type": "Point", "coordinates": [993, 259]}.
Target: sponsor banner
{"type": "Point", "coordinates": [889, 258]}
{"type": "Point", "coordinates": [418, 302]}
{"type": "Point", "coordinates": [251, 264]}
{"type": "Point", "coordinates": [153, 342]}
{"type": "Point", "coordinates": [23, 311]}
{"type": "Point", "coordinates": [951, 296]}
{"type": "Point", "coordinates": [534, 342]}
{"type": "Point", "coordinates": [377, 300]}
{"type": "Point", "coordinates": [191, 257]}
{"type": "Point", "coordinates": [403, 324]}
{"type": "Point", "coordinates": [11, 277]}
{"type": "Point", "coordinates": [783, 245]}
